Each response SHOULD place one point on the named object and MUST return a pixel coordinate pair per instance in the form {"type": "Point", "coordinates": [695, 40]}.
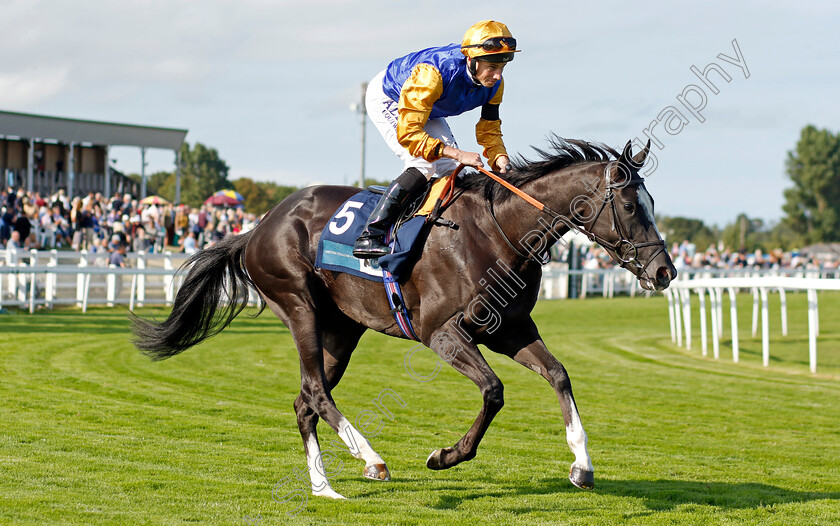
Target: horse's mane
{"type": "Point", "coordinates": [563, 153]}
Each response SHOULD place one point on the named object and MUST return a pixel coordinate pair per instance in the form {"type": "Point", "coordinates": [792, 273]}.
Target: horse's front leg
{"type": "Point", "coordinates": [522, 342]}
{"type": "Point", "coordinates": [467, 360]}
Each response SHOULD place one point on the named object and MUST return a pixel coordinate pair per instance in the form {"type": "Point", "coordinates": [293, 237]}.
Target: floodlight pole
{"type": "Point", "coordinates": [178, 176]}
{"type": "Point", "coordinates": [30, 165]}
{"type": "Point", "coordinates": [71, 170]}
{"type": "Point", "coordinates": [363, 114]}
{"type": "Point", "coordinates": [143, 172]}
{"type": "Point", "coordinates": [108, 170]}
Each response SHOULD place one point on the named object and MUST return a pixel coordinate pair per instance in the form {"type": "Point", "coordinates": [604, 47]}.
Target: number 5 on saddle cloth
{"type": "Point", "coordinates": [335, 248]}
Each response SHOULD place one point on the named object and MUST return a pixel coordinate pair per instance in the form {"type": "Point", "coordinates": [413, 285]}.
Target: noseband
{"type": "Point", "coordinates": [616, 248]}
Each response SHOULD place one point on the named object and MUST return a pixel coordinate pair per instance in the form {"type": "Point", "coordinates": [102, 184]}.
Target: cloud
{"type": "Point", "coordinates": [29, 87]}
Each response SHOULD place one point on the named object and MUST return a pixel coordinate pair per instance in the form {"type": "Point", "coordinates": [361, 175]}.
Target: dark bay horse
{"type": "Point", "coordinates": [473, 285]}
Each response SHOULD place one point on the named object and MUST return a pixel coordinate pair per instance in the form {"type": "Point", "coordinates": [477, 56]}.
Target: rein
{"type": "Point", "coordinates": [633, 252]}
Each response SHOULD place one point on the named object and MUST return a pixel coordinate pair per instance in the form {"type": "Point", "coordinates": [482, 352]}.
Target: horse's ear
{"type": "Point", "coordinates": [626, 155]}
{"type": "Point", "coordinates": [639, 158]}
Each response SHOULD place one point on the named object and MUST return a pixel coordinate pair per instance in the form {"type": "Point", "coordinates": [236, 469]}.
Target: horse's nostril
{"type": "Point", "coordinates": [663, 275]}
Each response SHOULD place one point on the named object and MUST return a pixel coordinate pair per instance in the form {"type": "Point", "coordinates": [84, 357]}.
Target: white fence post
{"type": "Point", "coordinates": [20, 286]}
{"type": "Point", "coordinates": [701, 293]}
{"type": "Point", "coordinates": [82, 281]}
{"type": "Point", "coordinates": [686, 299]}
{"type": "Point", "coordinates": [765, 329]}
{"type": "Point", "coordinates": [86, 292]}
{"type": "Point", "coordinates": [715, 328]}
{"type": "Point", "coordinates": [677, 321]}
{"type": "Point", "coordinates": [816, 315]}
{"type": "Point", "coordinates": [783, 300]}
{"type": "Point", "coordinates": [733, 314]}
{"type": "Point", "coordinates": [33, 283]}
{"type": "Point", "coordinates": [168, 282]}
{"type": "Point", "coordinates": [813, 327]}
{"type": "Point", "coordinates": [133, 291]}
{"type": "Point", "coordinates": [141, 279]}
{"type": "Point", "coordinates": [52, 280]}
{"type": "Point", "coordinates": [12, 282]}
{"type": "Point", "coordinates": [111, 287]}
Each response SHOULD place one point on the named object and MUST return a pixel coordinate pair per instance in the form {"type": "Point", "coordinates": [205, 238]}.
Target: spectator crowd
{"type": "Point", "coordinates": [686, 257]}
{"type": "Point", "coordinates": [113, 225]}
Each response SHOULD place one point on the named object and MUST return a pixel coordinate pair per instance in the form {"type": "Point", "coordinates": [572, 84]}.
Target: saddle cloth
{"type": "Point", "coordinates": [335, 248]}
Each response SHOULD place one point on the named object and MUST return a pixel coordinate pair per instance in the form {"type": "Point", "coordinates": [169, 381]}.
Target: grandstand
{"type": "Point", "coordinates": [44, 154]}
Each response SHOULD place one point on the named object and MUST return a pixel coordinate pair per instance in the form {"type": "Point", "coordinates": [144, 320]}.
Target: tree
{"type": "Point", "coordinates": [813, 203]}
{"type": "Point", "coordinates": [677, 229]}
{"type": "Point", "coordinates": [156, 182]}
{"type": "Point", "coordinates": [260, 196]}
{"type": "Point", "coordinates": [202, 173]}
{"type": "Point", "coordinates": [748, 234]}
{"type": "Point", "coordinates": [782, 236]}
{"type": "Point", "coordinates": [743, 234]}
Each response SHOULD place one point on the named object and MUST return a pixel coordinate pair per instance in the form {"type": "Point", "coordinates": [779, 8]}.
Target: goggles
{"type": "Point", "coordinates": [496, 45]}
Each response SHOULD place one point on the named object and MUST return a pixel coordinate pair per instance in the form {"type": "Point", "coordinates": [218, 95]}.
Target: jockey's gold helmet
{"type": "Point", "coordinates": [490, 41]}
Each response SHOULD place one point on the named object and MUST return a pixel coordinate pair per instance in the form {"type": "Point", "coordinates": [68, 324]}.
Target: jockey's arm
{"type": "Point", "coordinates": [418, 95]}
{"type": "Point", "coordinates": [488, 132]}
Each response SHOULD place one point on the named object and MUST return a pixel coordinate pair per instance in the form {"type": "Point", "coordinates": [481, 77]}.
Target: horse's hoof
{"type": "Point", "coordinates": [377, 472]}
{"type": "Point", "coordinates": [435, 460]}
{"type": "Point", "coordinates": [581, 478]}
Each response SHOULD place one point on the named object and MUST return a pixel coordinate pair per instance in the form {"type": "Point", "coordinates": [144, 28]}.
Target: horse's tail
{"type": "Point", "coordinates": [214, 292]}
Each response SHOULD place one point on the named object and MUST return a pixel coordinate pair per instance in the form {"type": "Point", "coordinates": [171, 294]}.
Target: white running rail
{"type": "Point", "coordinates": [679, 306]}
{"type": "Point", "coordinates": [49, 278]}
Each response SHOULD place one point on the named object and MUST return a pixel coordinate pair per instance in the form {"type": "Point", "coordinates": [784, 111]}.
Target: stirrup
{"type": "Point", "coordinates": [370, 248]}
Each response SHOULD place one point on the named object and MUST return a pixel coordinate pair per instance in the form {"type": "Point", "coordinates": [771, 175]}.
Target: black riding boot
{"type": "Point", "coordinates": [403, 190]}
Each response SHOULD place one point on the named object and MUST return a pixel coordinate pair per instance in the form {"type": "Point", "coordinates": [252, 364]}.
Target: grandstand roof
{"type": "Point", "coordinates": [96, 132]}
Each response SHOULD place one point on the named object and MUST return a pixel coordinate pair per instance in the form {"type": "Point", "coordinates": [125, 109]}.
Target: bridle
{"type": "Point", "coordinates": [617, 248]}
{"type": "Point", "coordinates": [617, 226]}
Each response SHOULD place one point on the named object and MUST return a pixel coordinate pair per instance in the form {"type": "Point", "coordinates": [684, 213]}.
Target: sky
{"type": "Point", "coordinates": [270, 84]}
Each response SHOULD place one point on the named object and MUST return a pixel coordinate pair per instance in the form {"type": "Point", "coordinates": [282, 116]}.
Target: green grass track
{"type": "Point", "coordinates": [92, 432]}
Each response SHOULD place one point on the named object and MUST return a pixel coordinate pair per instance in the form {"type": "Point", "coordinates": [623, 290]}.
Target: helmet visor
{"type": "Point", "coordinates": [496, 45]}
{"type": "Point", "coordinates": [498, 58]}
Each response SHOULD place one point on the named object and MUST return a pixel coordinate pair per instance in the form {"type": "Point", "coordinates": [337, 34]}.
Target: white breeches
{"type": "Point", "coordinates": [382, 111]}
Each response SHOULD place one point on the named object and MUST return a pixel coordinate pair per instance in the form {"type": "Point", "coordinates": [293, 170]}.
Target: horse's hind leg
{"type": "Point", "coordinates": [336, 357]}
{"type": "Point", "coordinates": [339, 341]}
{"type": "Point", "coordinates": [524, 345]}
{"type": "Point", "coordinates": [323, 359]}
{"type": "Point", "coordinates": [307, 421]}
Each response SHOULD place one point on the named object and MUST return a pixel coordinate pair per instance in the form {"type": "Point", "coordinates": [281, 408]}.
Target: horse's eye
{"type": "Point", "coordinates": [630, 207]}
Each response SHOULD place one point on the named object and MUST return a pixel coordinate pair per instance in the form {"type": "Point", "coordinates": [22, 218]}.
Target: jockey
{"type": "Point", "coordinates": [408, 103]}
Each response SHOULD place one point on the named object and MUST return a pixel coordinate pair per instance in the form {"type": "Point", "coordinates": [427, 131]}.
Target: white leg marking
{"type": "Point", "coordinates": [317, 474]}
{"type": "Point", "coordinates": [576, 438]}
{"type": "Point", "coordinates": [357, 443]}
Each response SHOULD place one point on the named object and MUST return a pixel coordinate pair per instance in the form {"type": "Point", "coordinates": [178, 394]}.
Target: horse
{"type": "Point", "coordinates": [472, 285]}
